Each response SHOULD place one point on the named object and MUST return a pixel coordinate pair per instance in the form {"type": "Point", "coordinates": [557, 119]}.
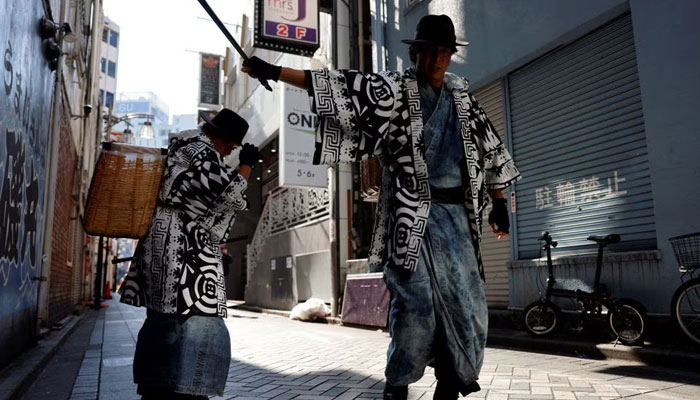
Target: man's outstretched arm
{"type": "Point", "coordinates": [258, 68]}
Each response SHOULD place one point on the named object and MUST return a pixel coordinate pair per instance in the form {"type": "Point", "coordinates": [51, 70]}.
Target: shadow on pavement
{"type": "Point", "coordinates": [232, 315]}
{"type": "Point", "coordinates": [250, 381]}
{"type": "Point", "coordinates": [686, 377]}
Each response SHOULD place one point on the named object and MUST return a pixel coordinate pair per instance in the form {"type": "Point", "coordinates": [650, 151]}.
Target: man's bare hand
{"type": "Point", "coordinates": [498, 233]}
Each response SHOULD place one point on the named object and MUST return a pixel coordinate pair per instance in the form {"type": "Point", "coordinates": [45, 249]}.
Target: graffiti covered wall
{"type": "Point", "coordinates": [25, 108]}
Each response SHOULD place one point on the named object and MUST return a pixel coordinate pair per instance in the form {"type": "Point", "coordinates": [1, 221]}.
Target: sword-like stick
{"type": "Point", "coordinates": [230, 38]}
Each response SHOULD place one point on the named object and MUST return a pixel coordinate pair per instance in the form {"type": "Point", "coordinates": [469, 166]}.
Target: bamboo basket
{"type": "Point", "coordinates": [370, 179]}
{"type": "Point", "coordinates": [123, 191]}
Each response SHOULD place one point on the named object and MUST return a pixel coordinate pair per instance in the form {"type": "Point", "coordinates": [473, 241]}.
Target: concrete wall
{"type": "Point", "coordinates": [624, 274]}
{"type": "Point", "coordinates": [668, 56]}
{"type": "Point", "coordinates": [506, 35]}
{"type": "Point", "coordinates": [503, 35]}
{"type": "Point", "coordinates": [297, 242]}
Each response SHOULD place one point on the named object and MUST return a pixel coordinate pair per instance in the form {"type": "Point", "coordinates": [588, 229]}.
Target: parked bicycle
{"type": "Point", "coordinates": [685, 304]}
{"type": "Point", "coordinates": [626, 317]}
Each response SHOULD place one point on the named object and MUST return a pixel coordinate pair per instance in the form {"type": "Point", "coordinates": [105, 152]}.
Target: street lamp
{"type": "Point", "coordinates": [128, 136]}
{"type": "Point", "coordinates": [147, 131]}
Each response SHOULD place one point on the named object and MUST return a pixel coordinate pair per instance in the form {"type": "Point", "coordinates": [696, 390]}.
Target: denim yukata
{"type": "Point", "coordinates": [438, 245]}
{"type": "Point", "coordinates": [445, 293]}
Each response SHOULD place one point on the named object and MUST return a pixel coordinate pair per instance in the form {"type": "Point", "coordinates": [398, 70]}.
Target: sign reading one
{"type": "Point", "coordinates": [297, 141]}
{"type": "Point", "coordinates": [289, 26]}
{"type": "Point", "coordinates": [209, 80]}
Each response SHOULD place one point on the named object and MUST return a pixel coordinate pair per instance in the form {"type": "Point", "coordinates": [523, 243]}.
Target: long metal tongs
{"type": "Point", "coordinates": [230, 38]}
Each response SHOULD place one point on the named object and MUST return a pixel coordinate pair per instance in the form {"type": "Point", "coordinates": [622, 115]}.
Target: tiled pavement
{"type": "Point", "coordinates": [274, 358]}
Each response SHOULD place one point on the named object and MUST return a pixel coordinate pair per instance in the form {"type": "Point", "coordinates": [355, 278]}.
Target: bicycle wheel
{"type": "Point", "coordinates": [541, 318]}
{"type": "Point", "coordinates": [685, 308]}
{"type": "Point", "coordinates": [628, 321]}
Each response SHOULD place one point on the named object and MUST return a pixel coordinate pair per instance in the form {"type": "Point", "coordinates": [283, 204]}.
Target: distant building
{"type": "Point", "coordinates": [108, 63]}
{"type": "Point", "coordinates": [144, 103]}
{"type": "Point", "coordinates": [183, 122]}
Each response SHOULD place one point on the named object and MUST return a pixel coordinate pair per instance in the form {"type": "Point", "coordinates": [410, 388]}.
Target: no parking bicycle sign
{"type": "Point", "coordinates": [289, 26]}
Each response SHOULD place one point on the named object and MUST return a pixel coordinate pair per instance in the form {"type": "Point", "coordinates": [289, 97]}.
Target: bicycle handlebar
{"type": "Point", "coordinates": [545, 237]}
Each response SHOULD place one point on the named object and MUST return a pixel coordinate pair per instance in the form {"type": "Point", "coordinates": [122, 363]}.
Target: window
{"type": "Point", "coordinates": [102, 95]}
{"type": "Point", "coordinates": [112, 69]}
{"type": "Point", "coordinates": [411, 3]}
{"type": "Point", "coordinates": [114, 38]}
{"type": "Point", "coordinates": [105, 34]}
{"type": "Point", "coordinates": [109, 100]}
{"type": "Point", "coordinates": [103, 66]}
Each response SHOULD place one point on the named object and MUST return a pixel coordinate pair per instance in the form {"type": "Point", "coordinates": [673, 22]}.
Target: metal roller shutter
{"type": "Point", "coordinates": [578, 138]}
{"type": "Point", "coordinates": [495, 253]}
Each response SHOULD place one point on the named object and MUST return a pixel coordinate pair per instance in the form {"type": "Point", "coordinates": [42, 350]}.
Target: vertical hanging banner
{"type": "Point", "coordinates": [289, 26]}
{"type": "Point", "coordinates": [297, 142]}
{"type": "Point", "coordinates": [209, 80]}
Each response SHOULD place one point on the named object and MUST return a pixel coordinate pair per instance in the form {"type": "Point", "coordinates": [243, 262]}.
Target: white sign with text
{"type": "Point", "coordinates": [297, 142]}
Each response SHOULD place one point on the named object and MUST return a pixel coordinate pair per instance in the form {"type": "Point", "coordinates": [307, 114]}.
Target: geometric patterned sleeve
{"type": "Point", "coordinates": [498, 166]}
{"type": "Point", "coordinates": [354, 112]}
{"type": "Point", "coordinates": [200, 178]}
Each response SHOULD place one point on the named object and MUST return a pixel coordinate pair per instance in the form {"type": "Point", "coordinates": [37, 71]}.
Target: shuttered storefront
{"type": "Point", "coordinates": [495, 253]}
{"type": "Point", "coordinates": [578, 138]}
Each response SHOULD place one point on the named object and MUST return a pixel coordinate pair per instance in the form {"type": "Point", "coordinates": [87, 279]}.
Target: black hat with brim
{"type": "Point", "coordinates": [436, 30]}
{"type": "Point", "coordinates": [228, 124]}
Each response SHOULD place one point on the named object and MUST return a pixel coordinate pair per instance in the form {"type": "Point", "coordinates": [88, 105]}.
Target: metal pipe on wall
{"type": "Point", "coordinates": [85, 142]}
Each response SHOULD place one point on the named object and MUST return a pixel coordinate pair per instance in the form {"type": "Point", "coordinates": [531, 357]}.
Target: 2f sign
{"type": "Point", "coordinates": [283, 30]}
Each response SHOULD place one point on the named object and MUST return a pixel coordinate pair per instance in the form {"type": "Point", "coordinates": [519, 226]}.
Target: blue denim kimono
{"type": "Point", "coordinates": [439, 313]}
{"type": "Point", "coordinates": [430, 251]}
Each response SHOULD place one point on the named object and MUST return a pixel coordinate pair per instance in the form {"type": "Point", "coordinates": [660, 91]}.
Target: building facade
{"type": "Point", "coordinates": [595, 102]}
{"type": "Point", "coordinates": [49, 124]}
{"type": "Point", "coordinates": [143, 103]}
{"type": "Point", "coordinates": [109, 62]}
{"type": "Point", "coordinates": [183, 122]}
{"type": "Point", "coordinates": [284, 254]}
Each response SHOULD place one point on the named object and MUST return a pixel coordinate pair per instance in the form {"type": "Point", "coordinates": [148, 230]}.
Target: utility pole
{"type": "Point", "coordinates": [334, 203]}
{"type": "Point", "coordinates": [98, 276]}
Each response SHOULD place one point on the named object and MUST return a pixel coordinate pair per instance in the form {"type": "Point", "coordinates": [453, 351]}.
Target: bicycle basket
{"type": "Point", "coordinates": [687, 250]}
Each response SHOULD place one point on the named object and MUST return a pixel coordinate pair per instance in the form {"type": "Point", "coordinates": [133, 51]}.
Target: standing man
{"type": "Point", "coordinates": [183, 350]}
{"type": "Point", "coordinates": [226, 260]}
{"type": "Point", "coordinates": [443, 162]}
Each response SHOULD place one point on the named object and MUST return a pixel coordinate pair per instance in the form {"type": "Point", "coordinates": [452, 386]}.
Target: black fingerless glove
{"type": "Point", "coordinates": [249, 155]}
{"type": "Point", "coordinates": [499, 215]}
{"type": "Point", "coordinates": [262, 69]}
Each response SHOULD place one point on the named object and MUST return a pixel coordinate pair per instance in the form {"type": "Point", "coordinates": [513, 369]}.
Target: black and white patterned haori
{"type": "Point", "coordinates": [177, 265]}
{"type": "Point", "coordinates": [379, 115]}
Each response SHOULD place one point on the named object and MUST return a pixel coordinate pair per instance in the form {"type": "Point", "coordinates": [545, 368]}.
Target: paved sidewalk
{"type": "Point", "coordinates": [275, 358]}
{"type": "Point", "coordinates": [57, 379]}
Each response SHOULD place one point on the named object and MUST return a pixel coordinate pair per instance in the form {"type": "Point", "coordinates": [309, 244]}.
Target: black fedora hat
{"type": "Point", "coordinates": [436, 30]}
{"type": "Point", "coordinates": [228, 124]}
